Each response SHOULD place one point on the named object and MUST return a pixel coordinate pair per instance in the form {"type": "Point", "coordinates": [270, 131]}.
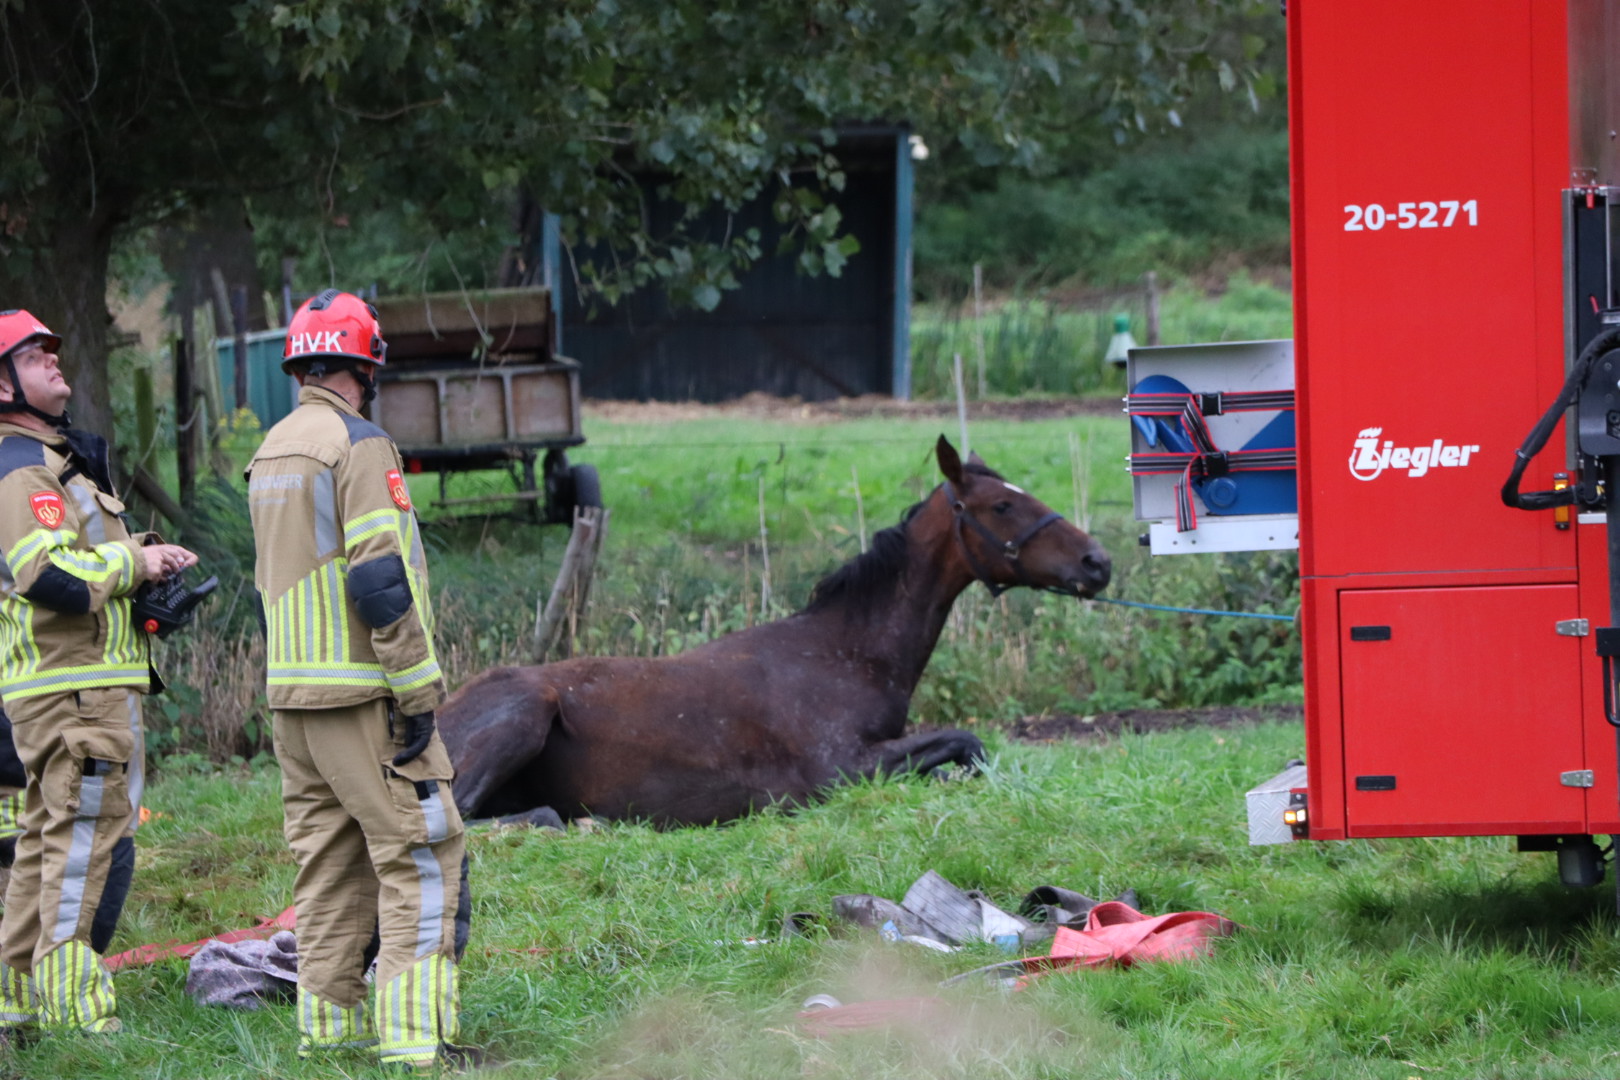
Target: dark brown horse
{"type": "Point", "coordinates": [776, 712]}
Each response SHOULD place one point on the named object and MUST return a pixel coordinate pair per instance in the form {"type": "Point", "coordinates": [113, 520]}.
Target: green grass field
{"type": "Point", "coordinates": [619, 952]}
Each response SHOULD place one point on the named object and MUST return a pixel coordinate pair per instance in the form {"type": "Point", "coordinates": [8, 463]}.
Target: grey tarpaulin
{"type": "Point", "coordinates": [244, 974]}
{"type": "Point", "coordinates": [936, 910]}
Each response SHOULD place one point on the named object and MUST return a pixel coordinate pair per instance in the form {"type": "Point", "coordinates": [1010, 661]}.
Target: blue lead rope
{"type": "Point", "coordinates": [1192, 611]}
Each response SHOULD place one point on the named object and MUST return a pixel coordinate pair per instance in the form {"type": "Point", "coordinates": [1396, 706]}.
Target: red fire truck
{"type": "Point", "coordinates": [1456, 231]}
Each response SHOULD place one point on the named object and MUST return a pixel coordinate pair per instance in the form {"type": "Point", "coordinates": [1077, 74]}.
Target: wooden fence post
{"type": "Point", "coordinates": [1152, 281]}
{"type": "Point", "coordinates": [978, 324]}
{"type": "Point", "coordinates": [572, 590]}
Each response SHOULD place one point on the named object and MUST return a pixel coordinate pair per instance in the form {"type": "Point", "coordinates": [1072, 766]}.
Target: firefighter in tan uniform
{"type": "Point", "coordinates": [73, 664]}
{"type": "Point", "coordinates": [353, 682]}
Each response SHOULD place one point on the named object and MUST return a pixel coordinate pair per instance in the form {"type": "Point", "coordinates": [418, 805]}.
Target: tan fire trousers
{"type": "Point", "coordinates": [378, 847]}
{"type": "Point", "coordinates": [84, 753]}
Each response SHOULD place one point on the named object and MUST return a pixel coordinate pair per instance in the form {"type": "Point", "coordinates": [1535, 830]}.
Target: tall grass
{"type": "Point", "coordinates": [1055, 347]}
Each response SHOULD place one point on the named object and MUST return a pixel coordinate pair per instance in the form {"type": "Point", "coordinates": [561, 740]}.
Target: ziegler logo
{"type": "Point", "coordinates": [1368, 459]}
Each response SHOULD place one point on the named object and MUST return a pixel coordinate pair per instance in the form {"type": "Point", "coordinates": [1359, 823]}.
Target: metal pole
{"type": "Point", "coordinates": [239, 331]}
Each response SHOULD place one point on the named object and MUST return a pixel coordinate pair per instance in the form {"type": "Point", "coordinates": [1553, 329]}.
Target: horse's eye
{"type": "Point", "coordinates": [1002, 507]}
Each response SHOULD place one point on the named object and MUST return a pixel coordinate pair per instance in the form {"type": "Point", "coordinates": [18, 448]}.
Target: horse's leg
{"type": "Point", "coordinates": [926, 751]}
{"type": "Point", "coordinates": [541, 817]}
{"type": "Point", "coordinates": [498, 745]}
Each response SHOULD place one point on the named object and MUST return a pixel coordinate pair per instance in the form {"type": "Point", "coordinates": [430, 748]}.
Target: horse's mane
{"type": "Point", "coordinates": [868, 580]}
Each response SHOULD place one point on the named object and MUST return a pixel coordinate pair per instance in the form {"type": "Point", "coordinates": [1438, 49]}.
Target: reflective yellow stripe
{"type": "Point", "coordinates": [326, 674]}
{"type": "Point", "coordinates": [325, 1026]}
{"type": "Point", "coordinates": [417, 675]}
{"type": "Point", "coordinates": [19, 1002]}
{"type": "Point", "coordinates": [321, 616]}
{"type": "Point", "coordinates": [369, 525]}
{"type": "Point", "coordinates": [34, 543]}
{"type": "Point", "coordinates": [98, 564]}
{"type": "Point", "coordinates": [75, 990]}
{"type": "Point", "coordinates": [340, 610]}
{"type": "Point", "coordinates": [416, 1011]}
{"type": "Point", "coordinates": [80, 677]}
{"type": "Point", "coordinates": [11, 810]}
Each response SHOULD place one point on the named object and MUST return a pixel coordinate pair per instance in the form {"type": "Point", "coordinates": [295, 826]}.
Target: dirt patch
{"type": "Point", "coordinates": [1066, 726]}
{"type": "Point", "coordinates": [796, 411]}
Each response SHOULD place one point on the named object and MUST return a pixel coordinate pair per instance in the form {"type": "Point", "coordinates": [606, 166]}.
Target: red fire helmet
{"type": "Point", "coordinates": [18, 328]}
{"type": "Point", "coordinates": [337, 326]}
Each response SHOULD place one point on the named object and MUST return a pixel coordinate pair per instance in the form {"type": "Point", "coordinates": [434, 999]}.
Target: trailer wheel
{"type": "Point", "coordinates": [587, 485]}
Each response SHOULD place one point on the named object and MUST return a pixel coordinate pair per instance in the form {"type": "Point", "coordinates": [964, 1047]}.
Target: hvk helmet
{"type": "Point", "coordinates": [18, 328]}
{"type": "Point", "coordinates": [334, 326]}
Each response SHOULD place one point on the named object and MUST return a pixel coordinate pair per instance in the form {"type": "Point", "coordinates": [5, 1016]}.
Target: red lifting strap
{"type": "Point", "coordinates": [1214, 403]}
{"type": "Point", "coordinates": [151, 954]}
{"type": "Point", "coordinates": [1209, 460]}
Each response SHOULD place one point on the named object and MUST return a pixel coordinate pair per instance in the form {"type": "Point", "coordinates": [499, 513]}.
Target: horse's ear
{"type": "Point", "coordinates": [975, 459]}
{"type": "Point", "coordinates": [950, 462]}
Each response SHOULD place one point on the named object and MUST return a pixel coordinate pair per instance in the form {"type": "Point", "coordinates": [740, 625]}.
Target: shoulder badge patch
{"type": "Point", "coordinates": [397, 488]}
{"type": "Point", "coordinates": [47, 507]}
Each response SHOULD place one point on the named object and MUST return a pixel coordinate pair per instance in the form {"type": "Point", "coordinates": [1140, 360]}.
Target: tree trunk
{"type": "Point", "coordinates": [66, 289]}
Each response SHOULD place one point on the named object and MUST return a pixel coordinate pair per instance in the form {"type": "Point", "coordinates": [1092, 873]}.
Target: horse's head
{"type": "Point", "coordinates": [1008, 537]}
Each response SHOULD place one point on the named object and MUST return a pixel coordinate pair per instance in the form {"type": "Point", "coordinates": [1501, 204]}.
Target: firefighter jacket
{"type": "Point", "coordinates": [341, 574]}
{"type": "Point", "coordinates": [70, 568]}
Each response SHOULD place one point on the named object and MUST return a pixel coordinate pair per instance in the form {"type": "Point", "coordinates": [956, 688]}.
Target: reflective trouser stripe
{"type": "Point", "coordinates": [325, 1026]}
{"type": "Point", "coordinates": [416, 1011]}
{"type": "Point", "coordinates": [438, 822]}
{"type": "Point", "coordinates": [77, 867]}
{"type": "Point", "coordinates": [136, 778]}
{"type": "Point", "coordinates": [19, 1003]}
{"type": "Point", "coordinates": [430, 921]}
{"type": "Point", "coordinates": [75, 990]}
{"type": "Point", "coordinates": [368, 840]}
{"type": "Point", "coordinates": [66, 883]}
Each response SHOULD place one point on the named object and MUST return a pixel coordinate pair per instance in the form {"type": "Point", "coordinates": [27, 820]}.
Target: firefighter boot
{"type": "Point", "coordinates": [19, 1004]}
{"type": "Point", "coordinates": [323, 1026]}
{"type": "Point", "coordinates": [75, 991]}
{"type": "Point", "coordinates": [416, 1013]}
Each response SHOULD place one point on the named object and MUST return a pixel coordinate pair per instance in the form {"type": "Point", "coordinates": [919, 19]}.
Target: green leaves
{"type": "Point", "coordinates": [320, 109]}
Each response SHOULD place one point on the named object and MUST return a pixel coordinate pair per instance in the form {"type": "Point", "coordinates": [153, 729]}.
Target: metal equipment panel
{"type": "Point", "coordinates": [1461, 711]}
{"type": "Point", "coordinates": [1240, 511]}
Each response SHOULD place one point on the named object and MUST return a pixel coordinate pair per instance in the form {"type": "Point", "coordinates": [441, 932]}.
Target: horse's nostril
{"type": "Point", "coordinates": [1098, 567]}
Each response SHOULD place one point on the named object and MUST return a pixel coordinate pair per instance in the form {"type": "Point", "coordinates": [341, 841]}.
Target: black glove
{"type": "Point", "coordinates": [418, 733]}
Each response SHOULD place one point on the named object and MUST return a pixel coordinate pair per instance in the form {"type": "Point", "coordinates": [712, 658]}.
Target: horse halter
{"type": "Point", "coordinates": [1009, 548]}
